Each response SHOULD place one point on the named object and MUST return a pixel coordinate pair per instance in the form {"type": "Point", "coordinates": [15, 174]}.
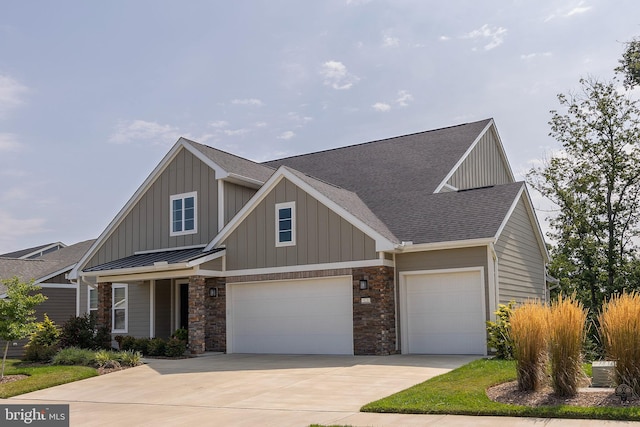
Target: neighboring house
{"type": "Point", "coordinates": [406, 244]}
{"type": "Point", "coordinates": [47, 266]}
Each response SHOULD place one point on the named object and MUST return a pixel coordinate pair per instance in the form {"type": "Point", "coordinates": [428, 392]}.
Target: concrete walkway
{"type": "Point", "coordinates": [261, 390]}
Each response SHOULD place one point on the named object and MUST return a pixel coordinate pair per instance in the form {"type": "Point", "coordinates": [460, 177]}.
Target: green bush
{"type": "Point", "coordinates": [125, 342]}
{"type": "Point", "coordinates": [498, 332]}
{"type": "Point", "coordinates": [141, 345]}
{"type": "Point", "coordinates": [156, 347]}
{"type": "Point", "coordinates": [74, 356]}
{"type": "Point", "coordinates": [83, 332]}
{"type": "Point", "coordinates": [181, 334]}
{"type": "Point", "coordinates": [44, 342]}
{"type": "Point", "coordinates": [175, 348]}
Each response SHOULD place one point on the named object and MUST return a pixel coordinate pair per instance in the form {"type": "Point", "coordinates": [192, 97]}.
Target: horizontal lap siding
{"type": "Point", "coordinates": [322, 236]}
{"type": "Point", "coordinates": [146, 226]}
{"type": "Point", "coordinates": [484, 166]}
{"type": "Point", "coordinates": [520, 261]}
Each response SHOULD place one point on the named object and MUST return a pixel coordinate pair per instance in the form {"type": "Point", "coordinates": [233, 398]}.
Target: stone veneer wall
{"type": "Point", "coordinates": [104, 305]}
{"type": "Point", "coordinates": [197, 298]}
{"type": "Point", "coordinates": [374, 323]}
{"type": "Point", "coordinates": [216, 316]}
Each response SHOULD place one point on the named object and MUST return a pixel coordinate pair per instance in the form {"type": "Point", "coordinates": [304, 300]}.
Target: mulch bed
{"type": "Point", "coordinates": [509, 393]}
{"type": "Point", "coordinates": [12, 378]}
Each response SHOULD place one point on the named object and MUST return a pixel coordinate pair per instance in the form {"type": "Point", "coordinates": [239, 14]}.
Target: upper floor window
{"type": "Point", "coordinates": [286, 224]}
{"type": "Point", "coordinates": [184, 214]}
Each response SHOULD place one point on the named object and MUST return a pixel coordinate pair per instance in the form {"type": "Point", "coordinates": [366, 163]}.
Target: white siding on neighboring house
{"type": "Point", "coordinates": [520, 261]}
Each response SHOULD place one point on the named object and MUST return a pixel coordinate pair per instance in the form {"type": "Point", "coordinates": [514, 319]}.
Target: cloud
{"type": "Point", "coordinates": [531, 56]}
{"type": "Point", "coordinates": [404, 98]}
{"type": "Point", "coordinates": [219, 124]}
{"type": "Point", "coordinates": [568, 11]}
{"type": "Point", "coordinates": [251, 101]}
{"type": "Point", "coordinates": [141, 130]}
{"type": "Point", "coordinates": [444, 38]}
{"type": "Point", "coordinates": [335, 74]}
{"type": "Point", "coordinates": [381, 107]}
{"type": "Point", "coordinates": [11, 94]}
{"type": "Point", "coordinates": [9, 142]}
{"type": "Point", "coordinates": [260, 124]}
{"type": "Point", "coordinates": [11, 227]}
{"type": "Point", "coordinates": [494, 34]}
{"type": "Point", "coordinates": [390, 41]}
{"type": "Point", "coordinates": [286, 135]}
{"type": "Point", "coordinates": [235, 132]}
{"type": "Point", "coordinates": [299, 118]}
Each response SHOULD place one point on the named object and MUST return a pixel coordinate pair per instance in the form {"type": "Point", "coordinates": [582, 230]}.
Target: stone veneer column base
{"type": "Point", "coordinates": [216, 316]}
{"type": "Point", "coordinates": [197, 298]}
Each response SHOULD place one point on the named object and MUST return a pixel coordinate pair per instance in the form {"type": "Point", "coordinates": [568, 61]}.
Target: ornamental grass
{"type": "Point", "coordinates": [529, 334]}
{"type": "Point", "coordinates": [620, 332]}
{"type": "Point", "coordinates": [566, 334]}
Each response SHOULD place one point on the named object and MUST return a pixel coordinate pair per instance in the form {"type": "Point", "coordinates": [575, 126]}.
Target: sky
{"type": "Point", "coordinates": [94, 94]}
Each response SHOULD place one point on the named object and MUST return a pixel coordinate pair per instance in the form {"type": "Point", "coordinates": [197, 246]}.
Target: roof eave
{"type": "Point", "coordinates": [436, 246]}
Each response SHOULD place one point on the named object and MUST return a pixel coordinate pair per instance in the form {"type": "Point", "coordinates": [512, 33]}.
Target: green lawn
{"type": "Point", "coordinates": [462, 392]}
{"type": "Point", "coordinates": [41, 377]}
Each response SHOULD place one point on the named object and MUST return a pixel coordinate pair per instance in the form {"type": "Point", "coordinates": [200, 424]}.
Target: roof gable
{"type": "Point", "coordinates": [345, 203]}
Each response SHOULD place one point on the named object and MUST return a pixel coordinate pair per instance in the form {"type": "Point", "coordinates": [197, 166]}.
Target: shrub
{"type": "Point", "coordinates": [181, 334]}
{"type": "Point", "coordinates": [528, 331]}
{"type": "Point", "coordinates": [44, 342]}
{"type": "Point", "coordinates": [175, 348]}
{"type": "Point", "coordinates": [141, 345]}
{"type": "Point", "coordinates": [83, 332]}
{"type": "Point", "coordinates": [106, 359]}
{"type": "Point", "coordinates": [74, 356]}
{"type": "Point", "coordinates": [156, 347]}
{"type": "Point", "coordinates": [130, 358]}
{"type": "Point", "coordinates": [567, 319]}
{"type": "Point", "coordinates": [620, 331]}
{"type": "Point", "coordinates": [498, 332]}
{"type": "Point", "coordinates": [126, 342]}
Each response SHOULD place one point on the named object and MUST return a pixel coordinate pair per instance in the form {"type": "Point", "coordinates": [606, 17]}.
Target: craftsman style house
{"type": "Point", "coordinates": [406, 244]}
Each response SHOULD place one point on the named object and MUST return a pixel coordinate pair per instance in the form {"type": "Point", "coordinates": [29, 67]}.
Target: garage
{"type": "Point", "coordinates": [443, 312]}
{"type": "Point", "coordinates": [306, 316]}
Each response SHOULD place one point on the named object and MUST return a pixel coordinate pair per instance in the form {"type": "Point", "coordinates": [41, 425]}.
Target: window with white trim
{"type": "Point", "coordinates": [119, 308]}
{"type": "Point", "coordinates": [184, 214]}
{"type": "Point", "coordinates": [286, 224]}
{"type": "Point", "coordinates": [92, 303]}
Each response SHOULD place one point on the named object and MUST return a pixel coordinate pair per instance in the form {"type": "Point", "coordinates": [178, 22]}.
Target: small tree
{"type": "Point", "coordinates": [17, 312]}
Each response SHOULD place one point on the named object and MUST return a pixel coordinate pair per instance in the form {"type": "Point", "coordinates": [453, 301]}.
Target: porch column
{"type": "Point", "coordinates": [197, 322]}
{"type": "Point", "coordinates": [104, 305]}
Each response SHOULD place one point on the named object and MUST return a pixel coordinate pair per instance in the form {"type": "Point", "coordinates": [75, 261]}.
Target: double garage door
{"type": "Point", "coordinates": [308, 316]}
{"type": "Point", "coordinates": [444, 313]}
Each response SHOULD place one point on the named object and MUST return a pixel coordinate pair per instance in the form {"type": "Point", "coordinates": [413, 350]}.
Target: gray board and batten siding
{"type": "Point", "coordinates": [235, 197]}
{"type": "Point", "coordinates": [521, 266]}
{"type": "Point", "coordinates": [322, 236]}
{"type": "Point", "coordinates": [483, 166]}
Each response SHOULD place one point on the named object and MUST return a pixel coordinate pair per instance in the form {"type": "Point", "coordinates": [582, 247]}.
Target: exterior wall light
{"type": "Point", "coordinates": [213, 292]}
{"type": "Point", "coordinates": [364, 284]}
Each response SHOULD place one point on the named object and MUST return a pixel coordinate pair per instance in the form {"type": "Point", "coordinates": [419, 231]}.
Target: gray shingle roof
{"type": "Point", "coordinates": [462, 215]}
{"type": "Point", "coordinates": [23, 252]}
{"type": "Point", "coordinates": [149, 259]}
{"type": "Point", "coordinates": [234, 164]}
{"type": "Point", "coordinates": [391, 176]}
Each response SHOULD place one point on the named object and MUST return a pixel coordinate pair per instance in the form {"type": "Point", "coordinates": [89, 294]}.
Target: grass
{"type": "Point", "coordinates": [529, 334]}
{"type": "Point", "coordinates": [41, 377]}
{"type": "Point", "coordinates": [462, 392]}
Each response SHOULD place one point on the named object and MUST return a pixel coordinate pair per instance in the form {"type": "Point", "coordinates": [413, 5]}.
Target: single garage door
{"type": "Point", "coordinates": [312, 316]}
{"type": "Point", "coordinates": [444, 313]}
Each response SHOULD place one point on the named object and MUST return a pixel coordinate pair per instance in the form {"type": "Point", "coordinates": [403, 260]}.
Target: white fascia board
{"type": "Point", "coordinates": [437, 246]}
{"type": "Point", "coordinates": [207, 258]}
{"type": "Point", "coordinates": [382, 243]}
{"type": "Point", "coordinates": [308, 267]}
{"type": "Point", "coordinates": [166, 160]}
{"type": "Point", "coordinates": [179, 248]}
{"type": "Point", "coordinates": [503, 153]}
{"type": "Point", "coordinates": [59, 286]}
{"type": "Point", "coordinates": [243, 180]}
{"type": "Point", "coordinates": [54, 274]}
{"type": "Point", "coordinates": [137, 270]}
{"type": "Point", "coordinates": [159, 275]}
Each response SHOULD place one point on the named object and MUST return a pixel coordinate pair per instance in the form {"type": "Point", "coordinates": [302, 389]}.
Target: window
{"type": "Point", "coordinates": [184, 218]}
{"type": "Point", "coordinates": [119, 308]}
{"type": "Point", "coordinates": [93, 301]}
{"type": "Point", "coordinates": [286, 224]}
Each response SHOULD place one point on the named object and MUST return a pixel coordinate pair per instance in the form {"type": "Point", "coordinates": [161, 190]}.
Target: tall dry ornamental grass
{"type": "Point", "coordinates": [620, 332]}
{"type": "Point", "coordinates": [567, 320]}
{"type": "Point", "coordinates": [529, 331]}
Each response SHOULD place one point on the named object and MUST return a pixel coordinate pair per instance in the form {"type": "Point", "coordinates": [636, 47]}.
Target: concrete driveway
{"type": "Point", "coordinates": [263, 390]}
{"type": "Point", "coordinates": [241, 390]}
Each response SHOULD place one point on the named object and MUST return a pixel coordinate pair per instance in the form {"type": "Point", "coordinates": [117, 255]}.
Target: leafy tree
{"type": "Point", "coordinates": [17, 312]}
{"type": "Point", "coordinates": [630, 63]}
{"type": "Point", "coordinates": [595, 182]}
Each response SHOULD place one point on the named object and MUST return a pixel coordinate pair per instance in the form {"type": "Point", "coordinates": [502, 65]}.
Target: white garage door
{"type": "Point", "coordinates": [444, 313]}
{"type": "Point", "coordinates": [312, 316]}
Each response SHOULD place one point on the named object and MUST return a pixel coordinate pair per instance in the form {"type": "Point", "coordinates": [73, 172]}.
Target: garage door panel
{"type": "Point", "coordinates": [294, 317]}
{"type": "Point", "coordinates": [445, 313]}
